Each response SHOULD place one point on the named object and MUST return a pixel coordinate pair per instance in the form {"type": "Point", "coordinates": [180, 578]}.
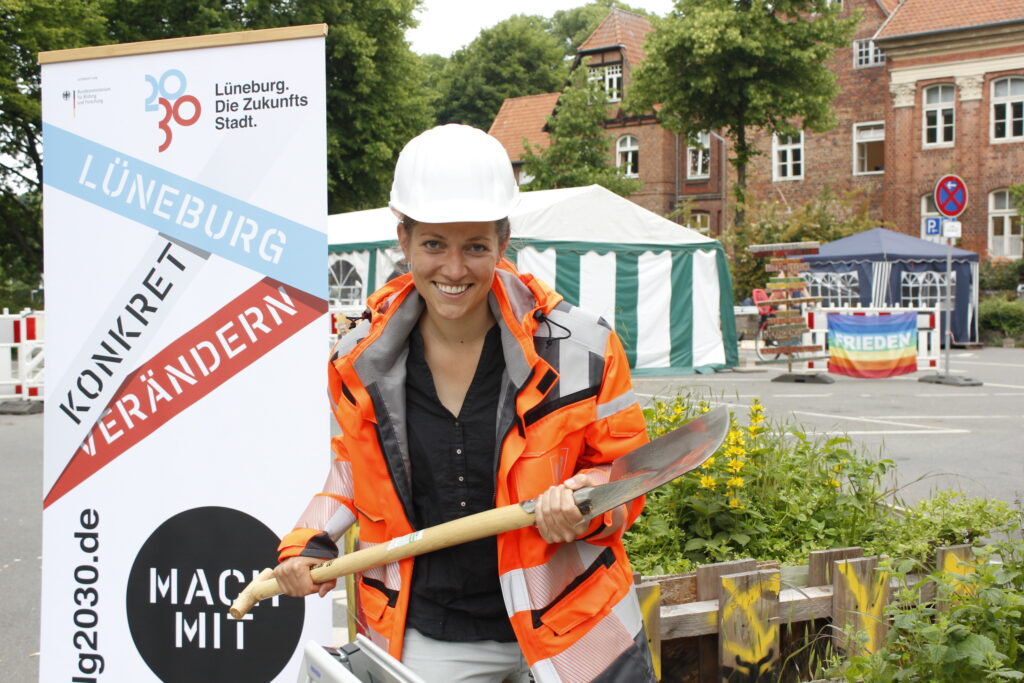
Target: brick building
{"type": "Point", "coordinates": [928, 87]}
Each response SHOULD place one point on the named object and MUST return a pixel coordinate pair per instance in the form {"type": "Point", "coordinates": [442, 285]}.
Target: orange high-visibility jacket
{"type": "Point", "coordinates": [566, 405]}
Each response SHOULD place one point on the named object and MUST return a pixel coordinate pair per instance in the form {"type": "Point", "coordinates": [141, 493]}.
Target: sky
{"type": "Point", "coordinates": [447, 25]}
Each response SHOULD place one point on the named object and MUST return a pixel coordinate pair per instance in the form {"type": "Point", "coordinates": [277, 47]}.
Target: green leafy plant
{"type": "Point", "coordinates": [1001, 318]}
{"type": "Point", "coordinates": [772, 492]}
{"type": "Point", "coordinates": [977, 636]}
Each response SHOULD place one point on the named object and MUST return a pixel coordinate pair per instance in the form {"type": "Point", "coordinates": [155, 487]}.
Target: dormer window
{"type": "Point", "coordinates": [610, 78]}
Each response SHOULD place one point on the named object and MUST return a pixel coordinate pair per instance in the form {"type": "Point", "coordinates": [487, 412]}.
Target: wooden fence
{"type": "Point", "coordinates": [724, 622]}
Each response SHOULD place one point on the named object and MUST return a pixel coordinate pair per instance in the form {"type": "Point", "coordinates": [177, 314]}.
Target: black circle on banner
{"type": "Point", "coordinates": [182, 581]}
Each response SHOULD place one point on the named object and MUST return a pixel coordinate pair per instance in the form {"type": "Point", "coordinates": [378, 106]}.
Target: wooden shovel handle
{"type": "Point", "coordinates": [471, 528]}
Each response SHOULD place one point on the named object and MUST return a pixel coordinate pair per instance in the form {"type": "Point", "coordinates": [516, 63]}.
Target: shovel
{"type": "Point", "coordinates": [634, 474]}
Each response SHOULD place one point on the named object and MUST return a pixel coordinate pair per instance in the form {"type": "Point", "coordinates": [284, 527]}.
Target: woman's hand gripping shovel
{"type": "Point", "coordinates": [634, 474]}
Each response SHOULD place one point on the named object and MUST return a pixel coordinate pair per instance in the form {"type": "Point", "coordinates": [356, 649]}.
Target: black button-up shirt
{"type": "Point", "coordinates": [456, 595]}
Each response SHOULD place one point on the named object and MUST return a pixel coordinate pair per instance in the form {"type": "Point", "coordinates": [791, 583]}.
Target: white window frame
{"type": "Point", "coordinates": [1004, 214]}
{"type": "Point", "coordinates": [926, 289]}
{"type": "Point", "coordinates": [782, 157]}
{"type": "Point", "coordinates": [866, 54]}
{"type": "Point", "coordinates": [610, 78]}
{"type": "Point", "coordinates": [627, 155]}
{"type": "Point", "coordinates": [929, 210]}
{"type": "Point", "coordinates": [699, 155]}
{"type": "Point", "coordinates": [1010, 102]}
{"type": "Point", "coordinates": [857, 142]}
{"type": "Point", "coordinates": [837, 290]}
{"type": "Point", "coordinates": [700, 221]}
{"type": "Point", "coordinates": [942, 110]}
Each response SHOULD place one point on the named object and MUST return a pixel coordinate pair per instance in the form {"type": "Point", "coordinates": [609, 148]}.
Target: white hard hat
{"type": "Point", "coordinates": [452, 174]}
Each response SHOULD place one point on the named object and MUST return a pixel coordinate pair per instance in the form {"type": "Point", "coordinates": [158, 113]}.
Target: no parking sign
{"type": "Point", "coordinates": [950, 196]}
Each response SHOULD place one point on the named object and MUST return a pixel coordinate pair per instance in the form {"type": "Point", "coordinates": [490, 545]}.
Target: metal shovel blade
{"type": "Point", "coordinates": [657, 463]}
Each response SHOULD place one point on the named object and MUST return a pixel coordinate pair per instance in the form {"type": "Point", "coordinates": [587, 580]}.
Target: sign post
{"type": "Point", "coordinates": [185, 216]}
{"type": "Point", "coordinates": [950, 195]}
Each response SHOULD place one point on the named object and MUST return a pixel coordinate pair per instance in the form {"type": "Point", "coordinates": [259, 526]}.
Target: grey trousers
{"type": "Point", "coordinates": [485, 661]}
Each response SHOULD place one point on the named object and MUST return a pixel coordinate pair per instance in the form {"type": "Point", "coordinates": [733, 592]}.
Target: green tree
{"type": "Point", "coordinates": [579, 150]}
{"type": "Point", "coordinates": [515, 57]}
{"type": "Point", "coordinates": [827, 217]}
{"type": "Point", "coordinates": [27, 28]}
{"type": "Point", "coordinates": [736, 65]}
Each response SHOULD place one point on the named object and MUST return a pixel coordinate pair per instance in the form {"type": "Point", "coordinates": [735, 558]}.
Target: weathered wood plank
{"type": "Point", "coordinates": [860, 594]}
{"type": "Point", "coordinates": [819, 563]}
{"type": "Point", "coordinates": [748, 641]}
{"type": "Point", "coordinates": [700, 618]}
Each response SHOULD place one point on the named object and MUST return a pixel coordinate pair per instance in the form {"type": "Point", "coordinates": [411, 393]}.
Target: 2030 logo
{"type": "Point", "coordinates": [162, 96]}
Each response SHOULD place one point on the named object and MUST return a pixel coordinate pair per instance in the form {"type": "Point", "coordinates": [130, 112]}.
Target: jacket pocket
{"type": "Point", "coordinates": [377, 602]}
{"type": "Point", "coordinates": [591, 598]}
{"type": "Point", "coordinates": [589, 595]}
{"type": "Point", "coordinates": [535, 471]}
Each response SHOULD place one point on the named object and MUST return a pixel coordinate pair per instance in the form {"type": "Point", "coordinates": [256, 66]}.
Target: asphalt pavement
{"type": "Point", "coordinates": [939, 436]}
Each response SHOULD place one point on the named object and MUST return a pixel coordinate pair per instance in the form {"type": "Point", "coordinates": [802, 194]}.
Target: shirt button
{"type": "Point", "coordinates": [458, 451]}
{"type": "Point", "coordinates": [462, 504]}
{"type": "Point", "coordinates": [462, 479]}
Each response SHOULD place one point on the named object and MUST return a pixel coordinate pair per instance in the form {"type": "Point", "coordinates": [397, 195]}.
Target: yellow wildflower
{"type": "Point", "coordinates": [734, 466]}
{"type": "Point", "coordinates": [735, 482]}
{"type": "Point", "coordinates": [735, 503]}
{"type": "Point", "coordinates": [707, 481]}
{"type": "Point", "coordinates": [837, 468]}
{"type": "Point", "coordinates": [710, 462]}
{"type": "Point", "coordinates": [834, 483]}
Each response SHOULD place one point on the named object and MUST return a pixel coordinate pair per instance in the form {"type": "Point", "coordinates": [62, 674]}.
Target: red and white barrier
{"type": "Point", "coordinates": [929, 344]}
{"type": "Point", "coordinates": [21, 355]}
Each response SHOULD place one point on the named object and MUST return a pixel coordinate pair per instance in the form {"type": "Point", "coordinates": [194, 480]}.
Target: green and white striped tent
{"type": "Point", "coordinates": [665, 288]}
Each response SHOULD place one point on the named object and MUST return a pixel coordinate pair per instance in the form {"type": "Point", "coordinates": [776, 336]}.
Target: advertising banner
{"type": "Point", "coordinates": [185, 238]}
{"type": "Point", "coordinates": [872, 346]}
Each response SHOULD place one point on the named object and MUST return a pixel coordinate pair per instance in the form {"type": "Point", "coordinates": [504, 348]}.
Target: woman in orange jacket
{"type": "Point", "coordinates": [472, 386]}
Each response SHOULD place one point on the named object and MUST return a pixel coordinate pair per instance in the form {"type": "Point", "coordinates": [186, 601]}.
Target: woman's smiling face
{"type": "Point", "coordinates": [452, 264]}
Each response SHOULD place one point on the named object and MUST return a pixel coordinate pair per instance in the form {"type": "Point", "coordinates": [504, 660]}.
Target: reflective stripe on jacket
{"type": "Point", "coordinates": [566, 406]}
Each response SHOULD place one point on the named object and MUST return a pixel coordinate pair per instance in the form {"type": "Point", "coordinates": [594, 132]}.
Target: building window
{"type": "Point", "coordinates": [939, 115]}
{"type": "Point", "coordinates": [1008, 109]}
{"type": "Point", "coordinates": [628, 154]}
{"type": "Point", "coordinates": [869, 148]}
{"type": "Point", "coordinates": [835, 289]}
{"type": "Point", "coordinates": [926, 289]}
{"type": "Point", "coordinates": [929, 210]}
{"type": "Point", "coordinates": [1004, 226]}
{"type": "Point", "coordinates": [610, 78]}
{"type": "Point", "coordinates": [698, 157]}
{"type": "Point", "coordinates": [866, 53]}
{"type": "Point", "coordinates": [701, 222]}
{"type": "Point", "coordinates": [788, 155]}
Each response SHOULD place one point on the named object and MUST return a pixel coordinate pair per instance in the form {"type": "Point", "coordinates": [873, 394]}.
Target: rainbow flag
{"type": "Point", "coordinates": [872, 346]}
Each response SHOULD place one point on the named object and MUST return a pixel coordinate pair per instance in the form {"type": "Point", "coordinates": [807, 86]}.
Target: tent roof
{"type": "Point", "coordinates": [576, 214]}
{"type": "Point", "coordinates": [879, 244]}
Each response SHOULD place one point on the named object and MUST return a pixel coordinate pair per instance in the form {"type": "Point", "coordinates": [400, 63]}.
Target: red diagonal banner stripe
{"type": "Point", "coordinates": [191, 367]}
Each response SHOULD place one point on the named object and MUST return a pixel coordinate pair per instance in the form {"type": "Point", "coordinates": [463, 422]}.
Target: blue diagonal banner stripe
{"type": "Point", "coordinates": [186, 210]}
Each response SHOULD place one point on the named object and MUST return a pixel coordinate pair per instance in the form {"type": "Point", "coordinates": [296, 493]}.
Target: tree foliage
{"type": "Point", "coordinates": [578, 151]}
{"type": "Point", "coordinates": [826, 218]}
{"type": "Point", "coordinates": [513, 58]}
{"type": "Point", "coordinates": [732, 65]}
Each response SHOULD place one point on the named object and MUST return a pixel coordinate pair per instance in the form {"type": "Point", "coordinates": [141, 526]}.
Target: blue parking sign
{"type": "Point", "coordinates": [933, 226]}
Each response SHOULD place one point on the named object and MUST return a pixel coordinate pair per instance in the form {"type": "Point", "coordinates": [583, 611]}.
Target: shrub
{"type": "Point", "coordinates": [978, 637]}
{"type": "Point", "coordinates": [1000, 317]}
{"type": "Point", "coordinates": [774, 493]}
{"type": "Point", "coordinates": [1000, 275]}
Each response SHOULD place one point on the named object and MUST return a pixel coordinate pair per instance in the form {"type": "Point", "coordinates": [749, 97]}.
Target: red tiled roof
{"type": "Point", "coordinates": [620, 28]}
{"type": "Point", "coordinates": [523, 117]}
{"type": "Point", "coordinates": [889, 5]}
{"type": "Point", "coordinates": [928, 16]}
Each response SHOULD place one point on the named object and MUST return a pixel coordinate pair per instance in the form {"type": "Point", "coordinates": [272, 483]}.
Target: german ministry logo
{"type": "Point", "coordinates": [183, 581]}
{"type": "Point", "coordinates": [168, 93]}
